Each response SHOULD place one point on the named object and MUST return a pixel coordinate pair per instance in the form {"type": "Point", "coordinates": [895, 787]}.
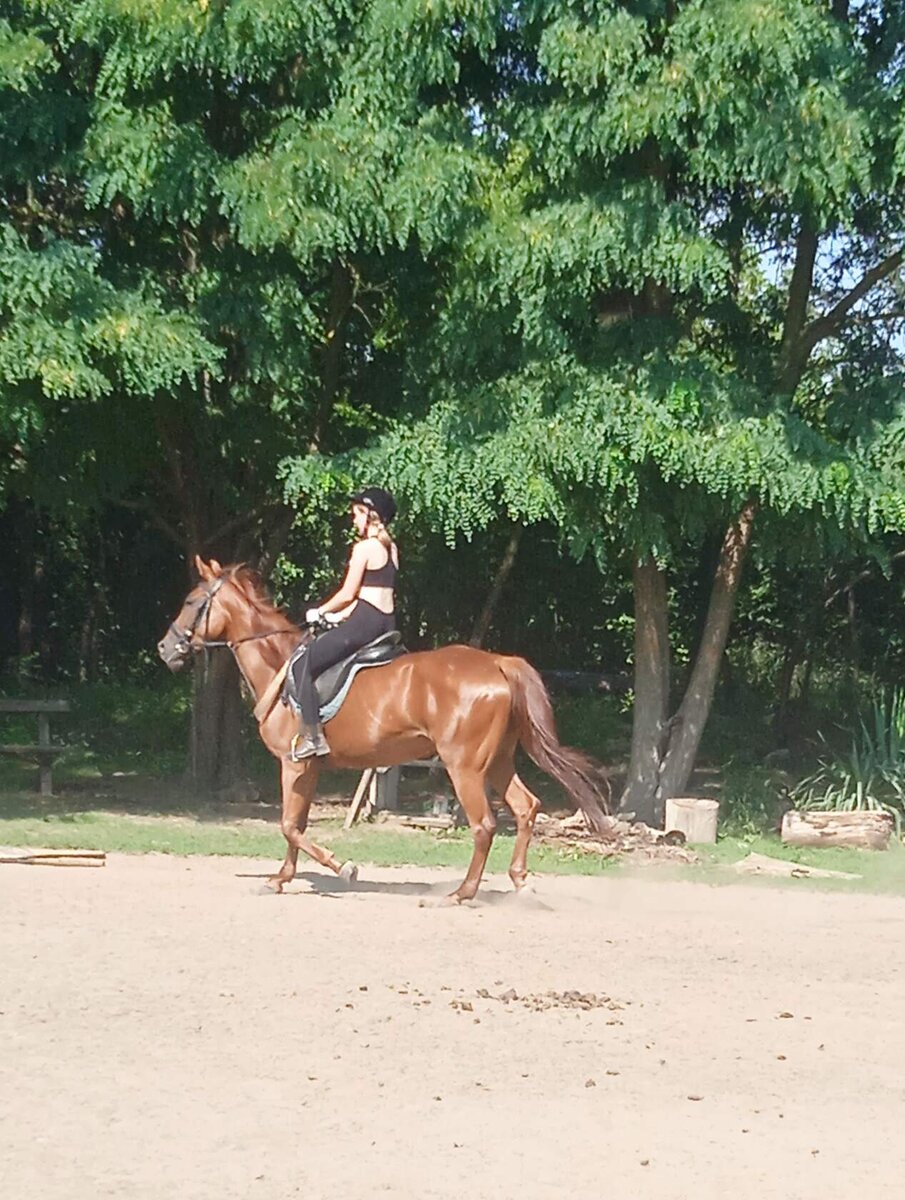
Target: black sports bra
{"type": "Point", "coordinates": [384, 576]}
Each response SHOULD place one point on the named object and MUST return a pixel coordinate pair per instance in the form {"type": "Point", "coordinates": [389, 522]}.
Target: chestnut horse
{"type": "Point", "coordinates": [470, 707]}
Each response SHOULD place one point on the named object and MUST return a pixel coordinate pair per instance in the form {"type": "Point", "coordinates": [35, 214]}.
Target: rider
{"type": "Point", "coordinates": [360, 611]}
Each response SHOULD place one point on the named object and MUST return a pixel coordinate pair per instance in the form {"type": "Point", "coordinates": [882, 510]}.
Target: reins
{"type": "Point", "coordinates": [251, 637]}
{"type": "Point", "coordinates": [184, 637]}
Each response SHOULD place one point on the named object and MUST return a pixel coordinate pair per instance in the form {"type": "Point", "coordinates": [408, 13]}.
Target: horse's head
{"type": "Point", "coordinates": [202, 618]}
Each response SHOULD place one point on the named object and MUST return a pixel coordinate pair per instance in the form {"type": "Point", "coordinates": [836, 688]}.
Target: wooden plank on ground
{"type": "Point", "coordinates": [56, 858]}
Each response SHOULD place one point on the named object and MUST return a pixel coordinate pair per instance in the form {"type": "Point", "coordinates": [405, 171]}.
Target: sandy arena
{"type": "Point", "coordinates": [169, 1033]}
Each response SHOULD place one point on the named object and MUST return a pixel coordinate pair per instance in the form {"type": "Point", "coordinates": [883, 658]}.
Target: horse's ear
{"type": "Point", "coordinates": [215, 567]}
{"type": "Point", "coordinates": [203, 568]}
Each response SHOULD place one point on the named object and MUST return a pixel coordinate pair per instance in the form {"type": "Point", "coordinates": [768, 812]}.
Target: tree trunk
{"type": "Point", "coordinates": [651, 711]}
{"type": "Point", "coordinates": [28, 580]}
{"type": "Point", "coordinates": [688, 723]}
{"type": "Point", "coordinates": [216, 747]}
{"type": "Point", "coordinates": [664, 750]}
{"type": "Point", "coordinates": [503, 571]}
{"type": "Point", "coordinates": [790, 660]}
{"type": "Point", "coordinates": [854, 640]}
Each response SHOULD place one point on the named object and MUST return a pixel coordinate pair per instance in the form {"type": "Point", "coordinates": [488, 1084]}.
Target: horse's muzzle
{"type": "Point", "coordinates": [174, 651]}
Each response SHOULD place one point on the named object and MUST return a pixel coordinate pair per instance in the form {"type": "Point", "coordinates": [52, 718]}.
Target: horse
{"type": "Point", "coordinates": [470, 707]}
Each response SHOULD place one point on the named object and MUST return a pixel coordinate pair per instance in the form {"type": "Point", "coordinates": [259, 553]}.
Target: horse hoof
{"type": "Point", "coordinates": [348, 873]}
{"type": "Point", "coordinates": [273, 887]}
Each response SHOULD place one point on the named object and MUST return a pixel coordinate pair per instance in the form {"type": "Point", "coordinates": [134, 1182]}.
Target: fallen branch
{"type": "Point", "coordinates": [762, 864]}
{"type": "Point", "coordinates": [57, 858]}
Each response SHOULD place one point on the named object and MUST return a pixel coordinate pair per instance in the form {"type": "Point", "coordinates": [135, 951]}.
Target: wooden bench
{"type": "Point", "coordinates": [45, 751]}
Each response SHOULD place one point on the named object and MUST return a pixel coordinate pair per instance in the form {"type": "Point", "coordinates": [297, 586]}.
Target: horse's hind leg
{"type": "Point", "coordinates": [524, 805]}
{"type": "Point", "coordinates": [469, 785]}
{"type": "Point", "coordinates": [299, 781]}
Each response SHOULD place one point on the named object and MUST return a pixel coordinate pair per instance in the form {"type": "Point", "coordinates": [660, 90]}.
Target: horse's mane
{"type": "Point", "coordinates": [252, 588]}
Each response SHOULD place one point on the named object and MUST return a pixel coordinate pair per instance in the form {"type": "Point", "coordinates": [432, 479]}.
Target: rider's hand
{"type": "Point", "coordinates": [312, 616]}
{"type": "Point", "coordinates": [332, 618]}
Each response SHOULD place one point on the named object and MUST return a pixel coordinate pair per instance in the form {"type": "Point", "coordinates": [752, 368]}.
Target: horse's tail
{"type": "Point", "coordinates": [583, 778]}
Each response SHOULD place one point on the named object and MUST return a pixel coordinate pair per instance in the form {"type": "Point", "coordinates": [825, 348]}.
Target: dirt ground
{"type": "Point", "coordinates": [169, 1032]}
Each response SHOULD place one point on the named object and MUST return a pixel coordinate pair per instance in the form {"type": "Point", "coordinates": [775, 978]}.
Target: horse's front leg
{"type": "Point", "coordinates": [299, 781]}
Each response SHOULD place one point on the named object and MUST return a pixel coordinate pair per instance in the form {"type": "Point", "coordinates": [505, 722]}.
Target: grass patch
{"type": "Point", "coordinates": [880, 870]}
{"type": "Point", "coordinates": [377, 845]}
{"type": "Point", "coordinates": [165, 823]}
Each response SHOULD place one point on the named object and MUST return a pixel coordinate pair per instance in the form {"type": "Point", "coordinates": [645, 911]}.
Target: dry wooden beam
{"type": "Point", "coordinates": [58, 858]}
{"type": "Point", "coordinates": [358, 799]}
{"type": "Point", "coordinates": [861, 830]}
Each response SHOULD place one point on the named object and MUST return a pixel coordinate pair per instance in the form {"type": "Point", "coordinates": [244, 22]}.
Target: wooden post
{"type": "Point", "coordinates": [45, 765]}
{"type": "Point", "coordinates": [387, 794]}
{"type": "Point", "coordinates": [366, 777]}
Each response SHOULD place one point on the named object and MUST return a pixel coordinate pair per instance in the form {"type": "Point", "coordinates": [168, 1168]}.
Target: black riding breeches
{"type": "Point", "coordinates": [364, 624]}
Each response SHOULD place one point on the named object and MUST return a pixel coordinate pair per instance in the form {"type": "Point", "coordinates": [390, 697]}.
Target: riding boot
{"type": "Point", "coordinates": [308, 744]}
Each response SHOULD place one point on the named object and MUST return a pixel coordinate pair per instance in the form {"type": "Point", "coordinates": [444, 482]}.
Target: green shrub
{"type": "Point", "coordinates": [870, 773]}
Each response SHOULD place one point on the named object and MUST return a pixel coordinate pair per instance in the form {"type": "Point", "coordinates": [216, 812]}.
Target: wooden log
{"type": "Point", "coordinates": [584, 683]}
{"type": "Point", "coordinates": [446, 822]}
{"type": "Point", "coordinates": [695, 816]}
{"type": "Point", "coordinates": [862, 830]}
{"type": "Point", "coordinates": [36, 752]}
{"type": "Point", "coordinates": [57, 858]}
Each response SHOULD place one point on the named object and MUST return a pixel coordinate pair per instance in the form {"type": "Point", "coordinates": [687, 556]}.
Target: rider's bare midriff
{"type": "Point", "coordinates": [379, 597]}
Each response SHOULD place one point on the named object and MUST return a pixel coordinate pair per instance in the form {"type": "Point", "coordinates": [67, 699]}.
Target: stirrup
{"type": "Point", "coordinates": [317, 742]}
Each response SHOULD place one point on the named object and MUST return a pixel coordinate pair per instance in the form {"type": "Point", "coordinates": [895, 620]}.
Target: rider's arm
{"type": "Point", "coordinates": [351, 584]}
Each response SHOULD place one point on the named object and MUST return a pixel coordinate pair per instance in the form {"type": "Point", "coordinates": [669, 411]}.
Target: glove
{"type": "Point", "coordinates": [331, 618]}
{"type": "Point", "coordinates": [312, 616]}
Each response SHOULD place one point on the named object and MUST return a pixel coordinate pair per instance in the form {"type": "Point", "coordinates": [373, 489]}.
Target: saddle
{"type": "Point", "coordinates": [333, 684]}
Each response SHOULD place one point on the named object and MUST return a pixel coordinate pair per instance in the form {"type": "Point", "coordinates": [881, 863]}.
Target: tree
{"type": "Point", "coordinates": [206, 229]}
{"type": "Point", "coordinates": [685, 210]}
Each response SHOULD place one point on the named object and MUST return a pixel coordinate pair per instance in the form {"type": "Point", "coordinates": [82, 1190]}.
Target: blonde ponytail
{"type": "Point", "coordinates": [377, 529]}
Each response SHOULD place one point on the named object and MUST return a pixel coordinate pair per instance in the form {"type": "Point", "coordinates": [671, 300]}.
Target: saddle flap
{"type": "Point", "coordinates": [383, 649]}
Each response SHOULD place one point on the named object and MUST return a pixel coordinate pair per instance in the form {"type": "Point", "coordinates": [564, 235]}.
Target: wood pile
{"type": "Point", "coordinates": [630, 839]}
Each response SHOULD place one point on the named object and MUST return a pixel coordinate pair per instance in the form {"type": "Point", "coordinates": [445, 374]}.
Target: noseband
{"type": "Point", "coordinates": [184, 636]}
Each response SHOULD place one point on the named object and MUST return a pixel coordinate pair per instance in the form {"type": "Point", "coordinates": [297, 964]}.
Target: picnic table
{"type": "Point", "coordinates": [44, 751]}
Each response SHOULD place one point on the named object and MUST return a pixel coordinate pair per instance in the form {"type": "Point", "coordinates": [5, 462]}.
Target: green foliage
{"type": "Point", "coordinates": [751, 800]}
{"type": "Point", "coordinates": [627, 351]}
{"type": "Point", "coordinates": [525, 264]}
{"type": "Point", "coordinates": [122, 725]}
{"type": "Point", "coordinates": [871, 773]}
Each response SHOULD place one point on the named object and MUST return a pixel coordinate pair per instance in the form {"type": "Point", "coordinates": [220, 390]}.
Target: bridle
{"type": "Point", "coordinates": [184, 643]}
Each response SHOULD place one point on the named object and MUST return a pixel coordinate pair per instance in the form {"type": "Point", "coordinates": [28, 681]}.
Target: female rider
{"type": "Point", "coordinates": [362, 609]}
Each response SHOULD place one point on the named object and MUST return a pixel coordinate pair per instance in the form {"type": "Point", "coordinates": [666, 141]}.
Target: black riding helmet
{"type": "Point", "coordinates": [378, 500]}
